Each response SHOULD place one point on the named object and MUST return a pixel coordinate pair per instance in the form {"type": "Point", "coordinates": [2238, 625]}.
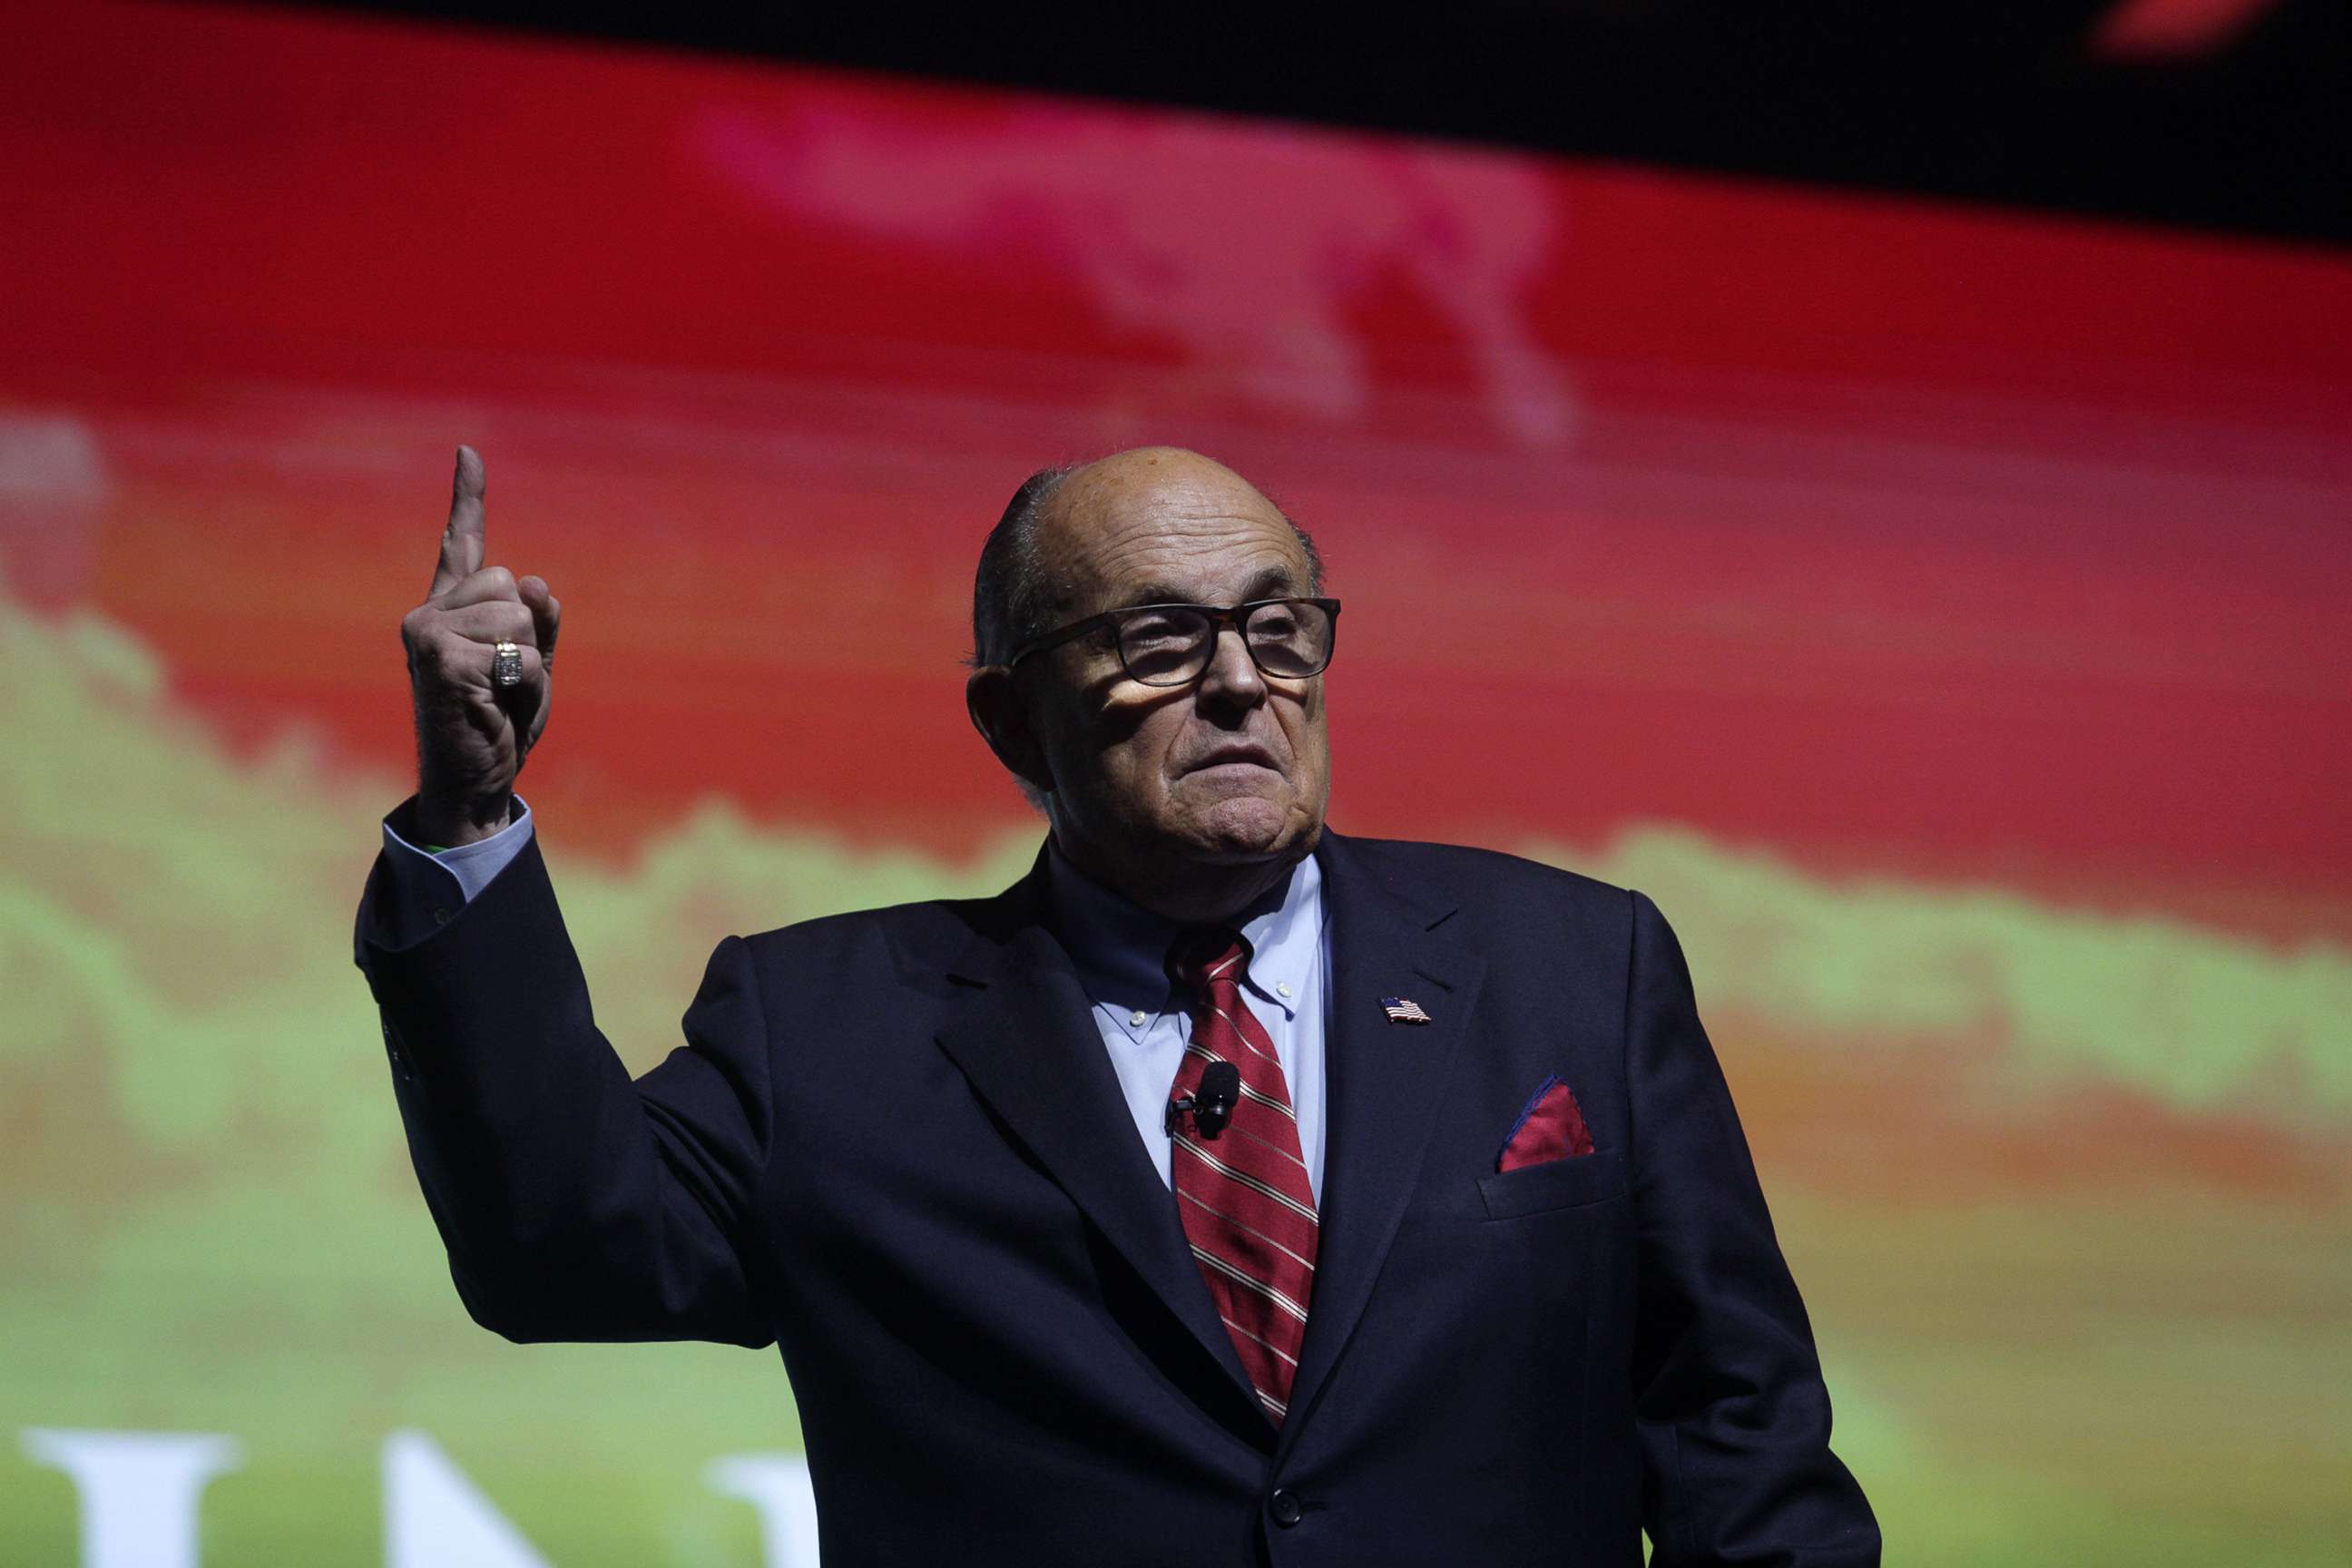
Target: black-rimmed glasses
{"type": "Point", "coordinates": [1171, 645]}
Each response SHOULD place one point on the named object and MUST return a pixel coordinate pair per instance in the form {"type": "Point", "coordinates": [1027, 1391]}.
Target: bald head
{"type": "Point", "coordinates": [1022, 590]}
{"type": "Point", "coordinates": [1142, 470]}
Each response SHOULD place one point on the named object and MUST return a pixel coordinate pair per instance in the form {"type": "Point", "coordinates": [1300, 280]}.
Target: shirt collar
{"type": "Point", "coordinates": [1121, 949]}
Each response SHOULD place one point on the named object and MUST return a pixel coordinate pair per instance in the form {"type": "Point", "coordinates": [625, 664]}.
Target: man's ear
{"type": "Point", "coordinates": [1003, 720]}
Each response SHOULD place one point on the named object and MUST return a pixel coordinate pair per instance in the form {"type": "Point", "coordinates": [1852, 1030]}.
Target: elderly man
{"type": "Point", "coordinates": [1227, 1191]}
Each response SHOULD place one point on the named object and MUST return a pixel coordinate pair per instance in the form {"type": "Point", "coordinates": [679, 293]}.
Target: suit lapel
{"type": "Point", "coordinates": [1382, 1082]}
{"type": "Point", "coordinates": [1024, 1038]}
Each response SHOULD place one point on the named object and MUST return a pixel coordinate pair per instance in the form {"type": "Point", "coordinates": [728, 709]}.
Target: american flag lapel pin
{"type": "Point", "coordinates": [1404, 1010]}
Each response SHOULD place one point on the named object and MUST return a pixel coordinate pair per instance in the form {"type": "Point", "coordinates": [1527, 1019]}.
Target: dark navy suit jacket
{"type": "Point", "coordinates": [894, 1146]}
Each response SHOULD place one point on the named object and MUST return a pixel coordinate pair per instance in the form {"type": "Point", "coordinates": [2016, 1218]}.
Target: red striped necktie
{"type": "Point", "coordinates": [1248, 1209]}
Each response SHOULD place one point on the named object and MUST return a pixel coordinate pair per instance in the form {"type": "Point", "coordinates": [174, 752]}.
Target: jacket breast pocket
{"type": "Point", "coordinates": [1565, 1183]}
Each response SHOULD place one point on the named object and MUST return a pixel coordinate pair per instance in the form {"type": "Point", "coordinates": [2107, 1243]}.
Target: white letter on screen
{"type": "Point", "coordinates": [435, 1518]}
{"type": "Point", "coordinates": [138, 1490]}
{"type": "Point", "coordinates": [778, 1486]}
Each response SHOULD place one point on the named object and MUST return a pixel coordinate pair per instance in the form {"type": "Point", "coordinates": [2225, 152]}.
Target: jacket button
{"type": "Point", "coordinates": [1282, 1507]}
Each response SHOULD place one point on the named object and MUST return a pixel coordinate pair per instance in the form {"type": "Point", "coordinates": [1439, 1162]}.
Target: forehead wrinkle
{"type": "Point", "coordinates": [1232, 577]}
{"type": "Point", "coordinates": [1263, 585]}
{"type": "Point", "coordinates": [1120, 563]}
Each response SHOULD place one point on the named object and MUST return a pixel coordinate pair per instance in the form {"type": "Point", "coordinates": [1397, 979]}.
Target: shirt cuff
{"type": "Point", "coordinates": [430, 886]}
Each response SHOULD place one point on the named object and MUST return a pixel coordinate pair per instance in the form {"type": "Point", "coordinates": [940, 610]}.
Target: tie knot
{"type": "Point", "coordinates": [1203, 956]}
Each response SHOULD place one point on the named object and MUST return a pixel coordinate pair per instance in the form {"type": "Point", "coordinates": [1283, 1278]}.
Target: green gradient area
{"type": "Point", "coordinates": [2198, 1018]}
{"type": "Point", "coordinates": [209, 1223]}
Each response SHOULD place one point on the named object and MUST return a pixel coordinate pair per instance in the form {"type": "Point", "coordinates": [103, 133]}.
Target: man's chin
{"type": "Point", "coordinates": [1244, 828]}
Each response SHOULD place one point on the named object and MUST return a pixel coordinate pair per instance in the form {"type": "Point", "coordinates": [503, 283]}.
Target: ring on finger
{"type": "Point", "coordinates": [506, 664]}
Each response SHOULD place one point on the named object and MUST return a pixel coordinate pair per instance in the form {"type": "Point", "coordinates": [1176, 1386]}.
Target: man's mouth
{"type": "Point", "coordinates": [1235, 752]}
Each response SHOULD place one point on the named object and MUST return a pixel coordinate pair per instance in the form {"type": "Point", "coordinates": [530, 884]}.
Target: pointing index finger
{"type": "Point", "coordinates": [461, 541]}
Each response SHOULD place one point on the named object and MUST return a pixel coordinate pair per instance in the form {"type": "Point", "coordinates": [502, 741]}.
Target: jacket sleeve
{"type": "Point", "coordinates": [1733, 1415]}
{"type": "Point", "coordinates": [574, 1204]}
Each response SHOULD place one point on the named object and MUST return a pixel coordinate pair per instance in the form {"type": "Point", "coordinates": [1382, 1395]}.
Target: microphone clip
{"type": "Point", "coordinates": [1211, 1106]}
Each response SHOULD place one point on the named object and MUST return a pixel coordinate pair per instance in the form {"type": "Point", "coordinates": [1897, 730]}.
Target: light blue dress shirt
{"type": "Point", "coordinates": [1121, 953]}
{"type": "Point", "coordinates": [1121, 950]}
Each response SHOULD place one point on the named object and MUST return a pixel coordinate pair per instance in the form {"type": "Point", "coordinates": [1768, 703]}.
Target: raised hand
{"type": "Point", "coordinates": [472, 733]}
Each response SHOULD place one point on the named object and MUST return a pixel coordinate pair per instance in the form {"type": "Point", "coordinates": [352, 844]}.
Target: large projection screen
{"type": "Point", "coordinates": [1941, 613]}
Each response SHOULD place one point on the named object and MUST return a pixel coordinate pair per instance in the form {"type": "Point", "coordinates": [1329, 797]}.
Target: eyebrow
{"type": "Point", "coordinates": [1273, 583]}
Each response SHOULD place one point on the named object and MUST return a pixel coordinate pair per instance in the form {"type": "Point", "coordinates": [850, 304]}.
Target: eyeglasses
{"type": "Point", "coordinates": [1171, 645]}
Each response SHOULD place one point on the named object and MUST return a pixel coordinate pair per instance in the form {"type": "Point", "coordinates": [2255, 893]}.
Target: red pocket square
{"type": "Point", "coordinates": [1551, 1127]}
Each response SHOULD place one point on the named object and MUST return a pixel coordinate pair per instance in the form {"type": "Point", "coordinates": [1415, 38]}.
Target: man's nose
{"type": "Point", "coordinates": [1232, 676]}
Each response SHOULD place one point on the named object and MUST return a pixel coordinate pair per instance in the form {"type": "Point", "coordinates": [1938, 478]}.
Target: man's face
{"type": "Point", "coordinates": [1233, 768]}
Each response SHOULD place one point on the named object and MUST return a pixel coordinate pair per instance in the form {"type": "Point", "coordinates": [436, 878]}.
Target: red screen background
{"type": "Point", "coordinates": [1932, 588]}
